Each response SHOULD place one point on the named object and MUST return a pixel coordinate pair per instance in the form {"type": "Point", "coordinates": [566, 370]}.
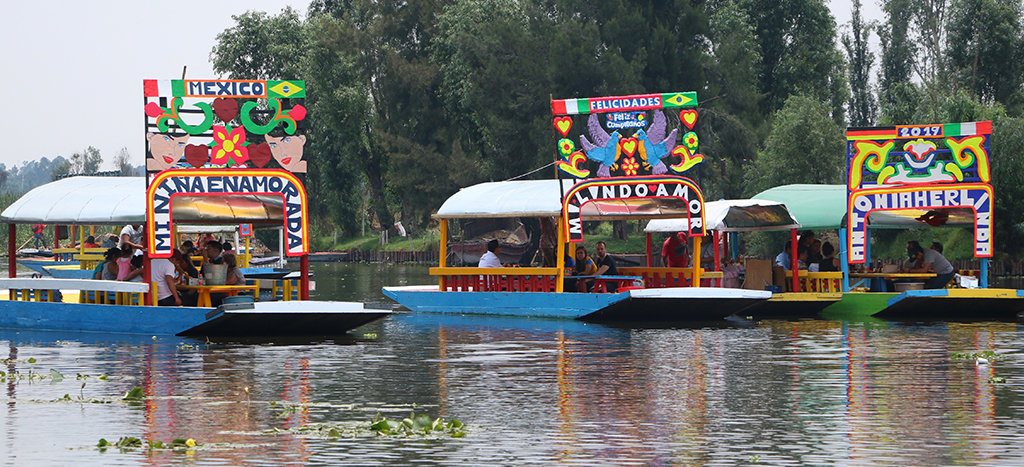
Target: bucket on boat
{"type": "Point", "coordinates": [773, 288]}
{"type": "Point", "coordinates": [215, 274]}
{"type": "Point", "coordinates": [905, 286]}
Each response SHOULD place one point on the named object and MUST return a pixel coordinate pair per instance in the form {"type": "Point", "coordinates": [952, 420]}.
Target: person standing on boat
{"type": "Point", "coordinates": [166, 289]}
{"type": "Point", "coordinates": [606, 266]}
{"type": "Point", "coordinates": [490, 259]}
{"type": "Point", "coordinates": [37, 234]}
{"type": "Point", "coordinates": [933, 260]}
{"type": "Point", "coordinates": [673, 251]}
{"type": "Point", "coordinates": [131, 236]}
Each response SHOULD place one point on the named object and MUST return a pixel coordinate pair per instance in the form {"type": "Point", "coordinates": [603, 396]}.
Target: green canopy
{"type": "Point", "coordinates": [815, 207]}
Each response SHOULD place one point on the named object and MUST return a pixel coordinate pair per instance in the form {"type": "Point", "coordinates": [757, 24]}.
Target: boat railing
{"type": "Point", "coordinates": [497, 279]}
{"type": "Point", "coordinates": [88, 261]}
{"type": "Point", "coordinates": [90, 291]}
{"type": "Point", "coordinates": [657, 278]}
{"type": "Point", "coordinates": [818, 282]}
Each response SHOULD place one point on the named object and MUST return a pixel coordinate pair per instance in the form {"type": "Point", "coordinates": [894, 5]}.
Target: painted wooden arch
{"type": "Point", "coordinates": [220, 182]}
{"type": "Point", "coordinates": [650, 187]}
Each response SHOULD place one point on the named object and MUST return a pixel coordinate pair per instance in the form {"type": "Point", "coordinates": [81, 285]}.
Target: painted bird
{"type": "Point", "coordinates": [656, 151]}
{"type": "Point", "coordinates": [604, 149]}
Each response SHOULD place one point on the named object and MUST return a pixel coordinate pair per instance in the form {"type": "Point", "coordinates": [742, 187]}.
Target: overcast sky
{"type": "Point", "coordinates": [73, 70]}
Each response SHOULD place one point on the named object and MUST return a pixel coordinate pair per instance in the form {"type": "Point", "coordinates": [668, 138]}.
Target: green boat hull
{"type": "Point", "coordinates": [858, 305]}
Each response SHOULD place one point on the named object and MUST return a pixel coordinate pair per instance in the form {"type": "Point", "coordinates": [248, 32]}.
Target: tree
{"type": "Point", "coordinates": [898, 97]}
{"type": "Point", "coordinates": [261, 46]}
{"type": "Point", "coordinates": [123, 162]}
{"type": "Point", "coordinates": [985, 49]}
{"type": "Point", "coordinates": [85, 162]}
{"type": "Point", "coordinates": [797, 41]}
{"type": "Point", "coordinates": [860, 60]}
{"type": "Point", "coordinates": [805, 146]}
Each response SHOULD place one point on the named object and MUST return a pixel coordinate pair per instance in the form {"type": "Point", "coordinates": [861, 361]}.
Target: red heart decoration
{"type": "Point", "coordinates": [652, 188]}
{"type": "Point", "coordinates": [689, 117]}
{"type": "Point", "coordinates": [629, 146]}
{"type": "Point", "coordinates": [563, 125]}
{"type": "Point", "coordinates": [298, 112]}
{"type": "Point", "coordinates": [225, 108]}
{"type": "Point", "coordinates": [153, 110]}
{"type": "Point", "coordinates": [260, 155]}
{"type": "Point", "coordinates": [197, 156]}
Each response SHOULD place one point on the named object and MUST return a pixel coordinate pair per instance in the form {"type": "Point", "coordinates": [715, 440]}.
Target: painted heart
{"type": "Point", "coordinates": [652, 188]}
{"type": "Point", "coordinates": [153, 110]}
{"type": "Point", "coordinates": [197, 156]}
{"type": "Point", "coordinates": [572, 166]}
{"type": "Point", "coordinates": [563, 125]}
{"type": "Point", "coordinates": [225, 108]}
{"type": "Point", "coordinates": [689, 117]}
{"type": "Point", "coordinates": [298, 112]}
{"type": "Point", "coordinates": [629, 146]}
{"type": "Point", "coordinates": [259, 154]}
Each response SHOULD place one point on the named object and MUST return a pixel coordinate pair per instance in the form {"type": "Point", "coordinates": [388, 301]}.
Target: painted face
{"type": "Point", "coordinates": [166, 150]}
{"type": "Point", "coordinates": [287, 151]}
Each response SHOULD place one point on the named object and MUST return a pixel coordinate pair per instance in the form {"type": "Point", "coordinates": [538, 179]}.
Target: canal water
{"type": "Point", "coordinates": [530, 392]}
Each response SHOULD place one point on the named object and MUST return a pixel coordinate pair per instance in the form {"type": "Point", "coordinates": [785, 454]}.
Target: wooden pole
{"type": "Point", "coordinates": [12, 260]}
{"type": "Point", "coordinates": [560, 260]}
{"type": "Point", "coordinates": [794, 260]}
{"type": "Point", "coordinates": [650, 251]}
{"type": "Point", "coordinates": [443, 247]}
{"type": "Point", "coordinates": [695, 280]}
{"type": "Point", "coordinates": [304, 278]}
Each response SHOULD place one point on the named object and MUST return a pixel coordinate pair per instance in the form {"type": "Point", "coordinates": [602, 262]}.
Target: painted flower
{"type": "Point", "coordinates": [566, 146]}
{"type": "Point", "coordinates": [229, 150]}
{"type": "Point", "coordinates": [629, 166]}
{"type": "Point", "coordinates": [690, 139]}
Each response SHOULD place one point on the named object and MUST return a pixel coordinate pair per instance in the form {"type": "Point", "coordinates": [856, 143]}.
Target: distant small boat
{"type": "Point", "coordinates": [36, 253]}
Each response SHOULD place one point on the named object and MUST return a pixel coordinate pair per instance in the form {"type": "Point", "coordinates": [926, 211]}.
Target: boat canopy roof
{"type": "Point", "coordinates": [122, 200]}
{"type": "Point", "coordinates": [542, 198]}
{"type": "Point", "coordinates": [734, 215]}
{"type": "Point", "coordinates": [820, 207]}
{"type": "Point", "coordinates": [82, 200]}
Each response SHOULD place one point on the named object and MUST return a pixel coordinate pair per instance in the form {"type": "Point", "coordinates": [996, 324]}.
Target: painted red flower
{"type": "Point", "coordinates": [566, 146]}
{"type": "Point", "coordinates": [629, 166]}
{"type": "Point", "coordinates": [229, 150]}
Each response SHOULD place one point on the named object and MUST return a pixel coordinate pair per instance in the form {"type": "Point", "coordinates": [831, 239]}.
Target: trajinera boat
{"type": "Point", "coordinates": [198, 173]}
{"type": "Point", "coordinates": [628, 167]}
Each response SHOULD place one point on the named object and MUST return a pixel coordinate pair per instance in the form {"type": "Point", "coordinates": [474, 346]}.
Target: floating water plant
{"type": "Point", "coordinates": [416, 425]}
{"type": "Point", "coordinates": [135, 394]}
{"type": "Point", "coordinates": [997, 380]}
{"type": "Point", "coordinates": [985, 355]}
{"type": "Point", "coordinates": [131, 442]}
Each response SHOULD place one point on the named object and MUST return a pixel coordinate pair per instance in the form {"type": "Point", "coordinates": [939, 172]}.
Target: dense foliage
{"type": "Point", "coordinates": [412, 100]}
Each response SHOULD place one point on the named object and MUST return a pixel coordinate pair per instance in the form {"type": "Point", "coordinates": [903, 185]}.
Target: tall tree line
{"type": "Point", "coordinates": [411, 101]}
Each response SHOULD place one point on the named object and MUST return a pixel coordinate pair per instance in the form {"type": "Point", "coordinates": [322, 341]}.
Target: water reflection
{"type": "Point", "coordinates": [533, 392]}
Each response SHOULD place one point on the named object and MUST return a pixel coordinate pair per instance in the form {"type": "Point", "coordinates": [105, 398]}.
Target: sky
{"type": "Point", "coordinates": [73, 70]}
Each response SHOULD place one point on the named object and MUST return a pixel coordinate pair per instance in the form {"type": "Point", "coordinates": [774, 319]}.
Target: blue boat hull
{"type": "Point", "coordinates": [670, 304]}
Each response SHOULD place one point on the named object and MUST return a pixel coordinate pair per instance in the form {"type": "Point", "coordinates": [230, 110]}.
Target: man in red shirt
{"type": "Point", "coordinates": [37, 233]}
{"type": "Point", "coordinates": [673, 252]}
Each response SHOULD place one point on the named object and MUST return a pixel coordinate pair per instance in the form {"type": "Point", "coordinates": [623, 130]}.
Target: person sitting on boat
{"type": "Point", "coordinates": [801, 256]}
{"type": "Point", "coordinates": [90, 242]}
{"type": "Point", "coordinates": [584, 267]}
{"type": "Point", "coordinates": [109, 242]}
{"type": "Point", "coordinates": [937, 246]}
{"type": "Point", "coordinates": [234, 277]}
{"type": "Point", "coordinates": [228, 247]}
{"type": "Point", "coordinates": [37, 234]}
{"type": "Point", "coordinates": [136, 273]}
{"type": "Point", "coordinates": [829, 262]}
{"type": "Point", "coordinates": [673, 251]}
{"type": "Point", "coordinates": [166, 288]}
{"type": "Point", "coordinates": [183, 266]}
{"type": "Point", "coordinates": [490, 259]}
{"type": "Point", "coordinates": [606, 266]}
{"type": "Point", "coordinates": [188, 249]}
{"type": "Point", "coordinates": [213, 253]}
{"type": "Point", "coordinates": [783, 259]}
{"type": "Point", "coordinates": [107, 269]}
{"type": "Point", "coordinates": [933, 260]}
{"type": "Point", "coordinates": [814, 253]}
{"type": "Point", "coordinates": [124, 263]}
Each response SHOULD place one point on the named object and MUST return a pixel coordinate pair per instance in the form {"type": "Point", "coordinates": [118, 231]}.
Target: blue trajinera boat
{"type": "Point", "coordinates": [222, 187]}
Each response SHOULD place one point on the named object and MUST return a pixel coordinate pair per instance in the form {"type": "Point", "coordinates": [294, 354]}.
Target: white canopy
{"type": "Point", "coordinates": [82, 200]}
{"type": "Point", "coordinates": [519, 198]}
{"type": "Point", "coordinates": [734, 215]}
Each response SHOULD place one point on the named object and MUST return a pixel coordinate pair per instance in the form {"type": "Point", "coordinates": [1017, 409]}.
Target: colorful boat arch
{"type": "Point", "coordinates": [933, 168]}
{"type": "Point", "coordinates": [649, 187]}
{"type": "Point", "coordinates": [169, 184]}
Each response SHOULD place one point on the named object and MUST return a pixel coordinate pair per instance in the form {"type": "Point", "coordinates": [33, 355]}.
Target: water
{"type": "Point", "coordinates": [532, 392]}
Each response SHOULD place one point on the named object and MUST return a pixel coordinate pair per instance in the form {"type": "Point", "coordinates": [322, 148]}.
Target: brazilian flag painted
{"type": "Point", "coordinates": [286, 89]}
{"type": "Point", "coordinates": [679, 99]}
